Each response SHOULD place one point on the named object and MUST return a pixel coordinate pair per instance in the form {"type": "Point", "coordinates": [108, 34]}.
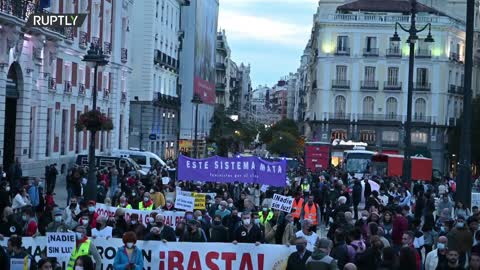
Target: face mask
{"type": "Point", "coordinates": [300, 247]}
{"type": "Point", "coordinates": [151, 220]}
{"type": "Point", "coordinates": [79, 235]}
{"type": "Point", "coordinates": [246, 221]}
{"type": "Point", "coordinates": [199, 218]}
{"type": "Point", "coordinates": [257, 221]}
{"type": "Point", "coordinates": [264, 209]}
{"type": "Point", "coordinates": [230, 205]}
{"type": "Point", "coordinates": [133, 194]}
{"type": "Point", "coordinates": [189, 229]}
{"type": "Point", "coordinates": [442, 229]}
{"type": "Point", "coordinates": [129, 245]}
{"type": "Point", "coordinates": [217, 222]}
{"type": "Point", "coordinates": [91, 209]}
{"type": "Point", "coordinates": [134, 222]}
{"type": "Point", "coordinates": [146, 199]}
{"type": "Point", "coordinates": [440, 246]}
{"type": "Point", "coordinates": [24, 218]}
{"type": "Point", "coordinates": [7, 188]}
{"type": "Point", "coordinates": [58, 219]}
{"type": "Point", "coordinates": [73, 205]}
{"type": "Point", "coordinates": [85, 222]}
{"type": "Point", "coordinates": [220, 207]}
{"type": "Point", "coordinates": [310, 229]}
{"type": "Point", "coordinates": [364, 218]}
{"type": "Point", "coordinates": [460, 224]}
{"type": "Point", "coordinates": [78, 267]}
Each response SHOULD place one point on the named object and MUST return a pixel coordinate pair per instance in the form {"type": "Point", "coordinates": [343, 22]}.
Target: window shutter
{"type": "Point", "coordinates": [99, 81]}
{"type": "Point", "coordinates": [110, 81]}
{"type": "Point", "coordinates": [59, 70]}
{"type": "Point", "coordinates": [87, 77]}
{"type": "Point", "coordinates": [74, 74]}
{"type": "Point", "coordinates": [60, 6]}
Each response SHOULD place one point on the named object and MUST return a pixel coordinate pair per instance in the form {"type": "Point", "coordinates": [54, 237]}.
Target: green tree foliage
{"type": "Point", "coordinates": [282, 138]}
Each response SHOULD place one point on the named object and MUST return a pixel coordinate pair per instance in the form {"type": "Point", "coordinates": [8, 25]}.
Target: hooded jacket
{"type": "Point", "coordinates": [321, 261]}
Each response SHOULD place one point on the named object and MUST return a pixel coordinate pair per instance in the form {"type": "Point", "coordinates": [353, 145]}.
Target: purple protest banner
{"type": "Point", "coordinates": [229, 170]}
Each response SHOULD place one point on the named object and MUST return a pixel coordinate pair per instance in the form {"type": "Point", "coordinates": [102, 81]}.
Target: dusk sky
{"type": "Point", "coordinates": [269, 34]}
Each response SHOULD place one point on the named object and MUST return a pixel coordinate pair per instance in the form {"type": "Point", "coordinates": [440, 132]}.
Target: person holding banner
{"type": "Point", "coordinates": [147, 203]}
{"type": "Point", "coordinates": [124, 203]}
{"type": "Point", "coordinates": [18, 256]}
{"type": "Point", "coordinates": [160, 231]}
{"type": "Point", "coordinates": [248, 232]}
{"type": "Point", "coordinates": [193, 233]}
{"type": "Point", "coordinates": [128, 257]}
{"type": "Point", "coordinates": [84, 246]}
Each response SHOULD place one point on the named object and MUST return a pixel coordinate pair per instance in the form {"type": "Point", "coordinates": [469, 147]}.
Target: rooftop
{"type": "Point", "coordinates": [397, 6]}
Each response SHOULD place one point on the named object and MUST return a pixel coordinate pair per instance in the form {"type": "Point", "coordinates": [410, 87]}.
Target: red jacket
{"type": "Point", "coordinates": [31, 228]}
{"type": "Point", "coordinates": [400, 226]}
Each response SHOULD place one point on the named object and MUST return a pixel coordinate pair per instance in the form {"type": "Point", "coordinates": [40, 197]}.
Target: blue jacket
{"type": "Point", "coordinates": [121, 259]}
{"type": "Point", "coordinates": [34, 194]}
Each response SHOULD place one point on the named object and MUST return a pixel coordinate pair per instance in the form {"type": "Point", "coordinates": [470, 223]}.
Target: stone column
{"type": "Point", "coordinates": [3, 87]}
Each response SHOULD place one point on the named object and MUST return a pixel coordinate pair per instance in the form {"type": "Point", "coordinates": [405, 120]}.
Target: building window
{"type": "Point", "coordinates": [419, 137]}
{"type": "Point", "coordinates": [371, 44]}
{"type": "Point", "coordinates": [390, 136]}
{"type": "Point", "coordinates": [342, 43]}
{"type": "Point", "coordinates": [391, 108]}
{"type": "Point", "coordinates": [367, 136]}
{"type": "Point", "coordinates": [341, 73]}
{"type": "Point", "coordinates": [339, 134]}
{"type": "Point", "coordinates": [422, 76]}
{"type": "Point", "coordinates": [368, 106]}
{"type": "Point", "coordinates": [340, 105]}
{"type": "Point", "coordinates": [392, 78]}
{"type": "Point", "coordinates": [420, 109]}
{"type": "Point", "coordinates": [369, 74]}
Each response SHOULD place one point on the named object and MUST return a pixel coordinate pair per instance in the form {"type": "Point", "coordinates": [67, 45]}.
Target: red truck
{"type": "Point", "coordinates": [317, 156]}
{"type": "Point", "coordinates": [392, 165]}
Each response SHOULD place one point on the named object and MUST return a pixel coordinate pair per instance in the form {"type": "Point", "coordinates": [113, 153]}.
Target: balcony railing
{"type": "Point", "coordinates": [81, 89]}
{"type": "Point", "coordinates": [454, 56]}
{"type": "Point", "coordinates": [341, 84]}
{"type": "Point", "coordinates": [67, 87]}
{"type": "Point", "coordinates": [123, 97]}
{"type": "Point", "coordinates": [369, 85]}
{"type": "Point", "coordinates": [460, 90]}
{"type": "Point", "coordinates": [83, 40]}
{"type": "Point", "coordinates": [393, 117]}
{"type": "Point", "coordinates": [379, 117]}
{"type": "Point", "coordinates": [370, 52]}
{"type": "Point", "coordinates": [70, 33]}
{"type": "Point", "coordinates": [393, 52]}
{"type": "Point", "coordinates": [452, 89]}
{"type": "Point", "coordinates": [392, 86]}
{"type": "Point", "coordinates": [422, 86]}
{"type": "Point", "coordinates": [342, 51]}
{"type": "Point", "coordinates": [423, 53]}
{"type": "Point", "coordinates": [339, 116]}
{"type": "Point", "coordinates": [124, 55]}
{"type": "Point", "coordinates": [421, 118]}
{"type": "Point", "coordinates": [52, 84]}
{"type": "Point", "coordinates": [106, 93]}
{"type": "Point", "coordinates": [18, 8]}
{"type": "Point", "coordinates": [107, 48]}
{"type": "Point", "coordinates": [96, 41]}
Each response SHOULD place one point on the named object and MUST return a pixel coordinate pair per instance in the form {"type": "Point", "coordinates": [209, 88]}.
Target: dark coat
{"type": "Point", "coordinates": [357, 193]}
{"type": "Point", "coordinates": [295, 263]}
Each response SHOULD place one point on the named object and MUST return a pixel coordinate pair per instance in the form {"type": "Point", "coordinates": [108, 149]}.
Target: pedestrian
{"type": "Point", "coordinates": [58, 225]}
{"type": "Point", "coordinates": [311, 211]}
{"type": "Point", "coordinates": [356, 197]}
{"type": "Point", "coordinates": [342, 252]}
{"type": "Point", "coordinates": [437, 256]}
{"type": "Point", "coordinates": [30, 223]}
{"type": "Point", "coordinates": [102, 230]}
{"type": "Point", "coordinates": [407, 259]}
{"type": "Point", "coordinates": [298, 259]}
{"type": "Point", "coordinates": [21, 199]}
{"type": "Point", "coordinates": [474, 262]}
{"type": "Point", "coordinates": [84, 262]}
{"type": "Point", "coordinates": [83, 246]}
{"type": "Point", "coordinates": [45, 264]}
{"type": "Point", "coordinates": [460, 239]}
{"type": "Point", "coordinates": [248, 232]}
{"type": "Point", "coordinates": [147, 203]}
{"type": "Point", "coordinates": [320, 260]}
{"type": "Point", "coordinates": [16, 253]}
{"type": "Point", "coordinates": [453, 262]}
{"type": "Point", "coordinates": [218, 232]}
{"type": "Point", "coordinates": [308, 233]}
{"type": "Point", "coordinates": [407, 241]}
{"type": "Point", "coordinates": [128, 257]}
{"type": "Point", "coordinates": [193, 233]}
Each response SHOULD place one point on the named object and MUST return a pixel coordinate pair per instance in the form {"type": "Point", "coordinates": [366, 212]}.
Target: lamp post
{"type": "Point", "coordinates": [97, 60]}
{"type": "Point", "coordinates": [412, 31]}
{"type": "Point", "coordinates": [197, 101]}
{"type": "Point", "coordinates": [464, 180]}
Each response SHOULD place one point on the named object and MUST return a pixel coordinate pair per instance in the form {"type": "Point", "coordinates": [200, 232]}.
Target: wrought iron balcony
{"type": "Point", "coordinates": [96, 41]}
{"type": "Point", "coordinates": [339, 116]}
{"type": "Point", "coordinates": [452, 89]}
{"type": "Point", "coordinates": [106, 93]}
{"type": "Point", "coordinates": [83, 42]}
{"type": "Point", "coordinates": [392, 86]}
{"type": "Point", "coordinates": [421, 118]}
{"type": "Point", "coordinates": [67, 87]}
{"type": "Point", "coordinates": [342, 51]}
{"type": "Point", "coordinates": [81, 89]}
{"type": "Point", "coordinates": [52, 84]}
{"type": "Point", "coordinates": [107, 48]}
{"type": "Point", "coordinates": [341, 84]}
{"type": "Point", "coordinates": [423, 53]}
{"type": "Point", "coordinates": [369, 85]}
{"type": "Point", "coordinates": [18, 8]}
{"type": "Point", "coordinates": [393, 117]}
{"type": "Point", "coordinates": [70, 33]}
{"type": "Point", "coordinates": [393, 52]}
{"type": "Point", "coordinates": [124, 55]}
{"type": "Point", "coordinates": [370, 52]}
{"type": "Point", "coordinates": [123, 97]}
{"type": "Point", "coordinates": [422, 86]}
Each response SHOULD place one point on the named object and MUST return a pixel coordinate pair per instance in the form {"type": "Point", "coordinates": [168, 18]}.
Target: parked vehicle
{"type": "Point", "coordinates": [145, 159]}
{"type": "Point", "coordinates": [108, 161]}
{"type": "Point", "coordinates": [392, 165]}
{"type": "Point", "coordinates": [317, 156]}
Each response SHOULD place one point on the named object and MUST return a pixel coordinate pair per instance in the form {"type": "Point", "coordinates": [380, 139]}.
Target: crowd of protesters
{"type": "Point", "coordinates": [336, 222]}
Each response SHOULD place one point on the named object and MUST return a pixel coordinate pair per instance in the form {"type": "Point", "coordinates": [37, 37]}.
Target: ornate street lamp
{"type": "Point", "coordinates": [413, 31]}
{"type": "Point", "coordinates": [97, 60]}
{"type": "Point", "coordinates": [197, 101]}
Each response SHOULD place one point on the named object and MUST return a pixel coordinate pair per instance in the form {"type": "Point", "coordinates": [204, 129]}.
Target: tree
{"type": "Point", "coordinates": [284, 144]}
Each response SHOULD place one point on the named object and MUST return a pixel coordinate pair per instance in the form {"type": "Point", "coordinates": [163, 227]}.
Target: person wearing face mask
{"type": "Point", "coordinates": [124, 203]}
{"type": "Point", "coordinates": [297, 260]}
{"type": "Point", "coordinates": [222, 210]}
{"type": "Point", "coordinates": [218, 232]}
{"type": "Point", "coordinates": [437, 256]}
{"type": "Point", "coordinates": [120, 225]}
{"type": "Point", "coordinates": [161, 231]}
{"type": "Point", "coordinates": [5, 199]}
{"type": "Point", "coordinates": [147, 203]}
{"type": "Point", "coordinates": [70, 212]}
{"type": "Point", "coordinates": [84, 263]}
{"type": "Point", "coordinates": [136, 226]}
{"type": "Point", "coordinates": [102, 230]}
{"type": "Point", "coordinates": [308, 233]}
{"type": "Point", "coordinates": [288, 236]}
{"type": "Point", "coordinates": [92, 214]}
{"type": "Point", "coordinates": [265, 215]}
{"type": "Point", "coordinates": [128, 257]}
{"type": "Point", "coordinates": [30, 224]}
{"type": "Point", "coordinates": [248, 232]}
{"type": "Point", "coordinates": [320, 258]}
{"type": "Point", "coordinates": [460, 239]}
{"type": "Point", "coordinates": [57, 225]}
{"type": "Point", "coordinates": [84, 247]}
{"type": "Point", "coordinates": [193, 233]}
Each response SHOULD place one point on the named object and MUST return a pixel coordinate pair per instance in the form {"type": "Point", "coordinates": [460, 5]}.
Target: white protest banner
{"type": "Point", "coordinates": [186, 203]}
{"type": "Point", "coordinates": [264, 188]}
{"type": "Point", "coordinates": [60, 244]}
{"type": "Point", "coordinates": [282, 203]}
{"type": "Point", "coordinates": [182, 255]}
{"type": "Point", "coordinates": [171, 217]}
{"type": "Point", "coordinates": [475, 199]}
{"type": "Point", "coordinates": [200, 198]}
{"type": "Point", "coordinates": [17, 264]}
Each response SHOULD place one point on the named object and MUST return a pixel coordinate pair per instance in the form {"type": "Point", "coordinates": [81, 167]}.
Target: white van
{"type": "Point", "coordinates": [145, 159]}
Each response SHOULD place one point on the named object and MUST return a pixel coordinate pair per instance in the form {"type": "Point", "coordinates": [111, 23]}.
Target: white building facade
{"type": "Point", "coordinates": [45, 86]}
{"type": "Point", "coordinates": [358, 87]}
{"type": "Point", "coordinates": [155, 102]}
